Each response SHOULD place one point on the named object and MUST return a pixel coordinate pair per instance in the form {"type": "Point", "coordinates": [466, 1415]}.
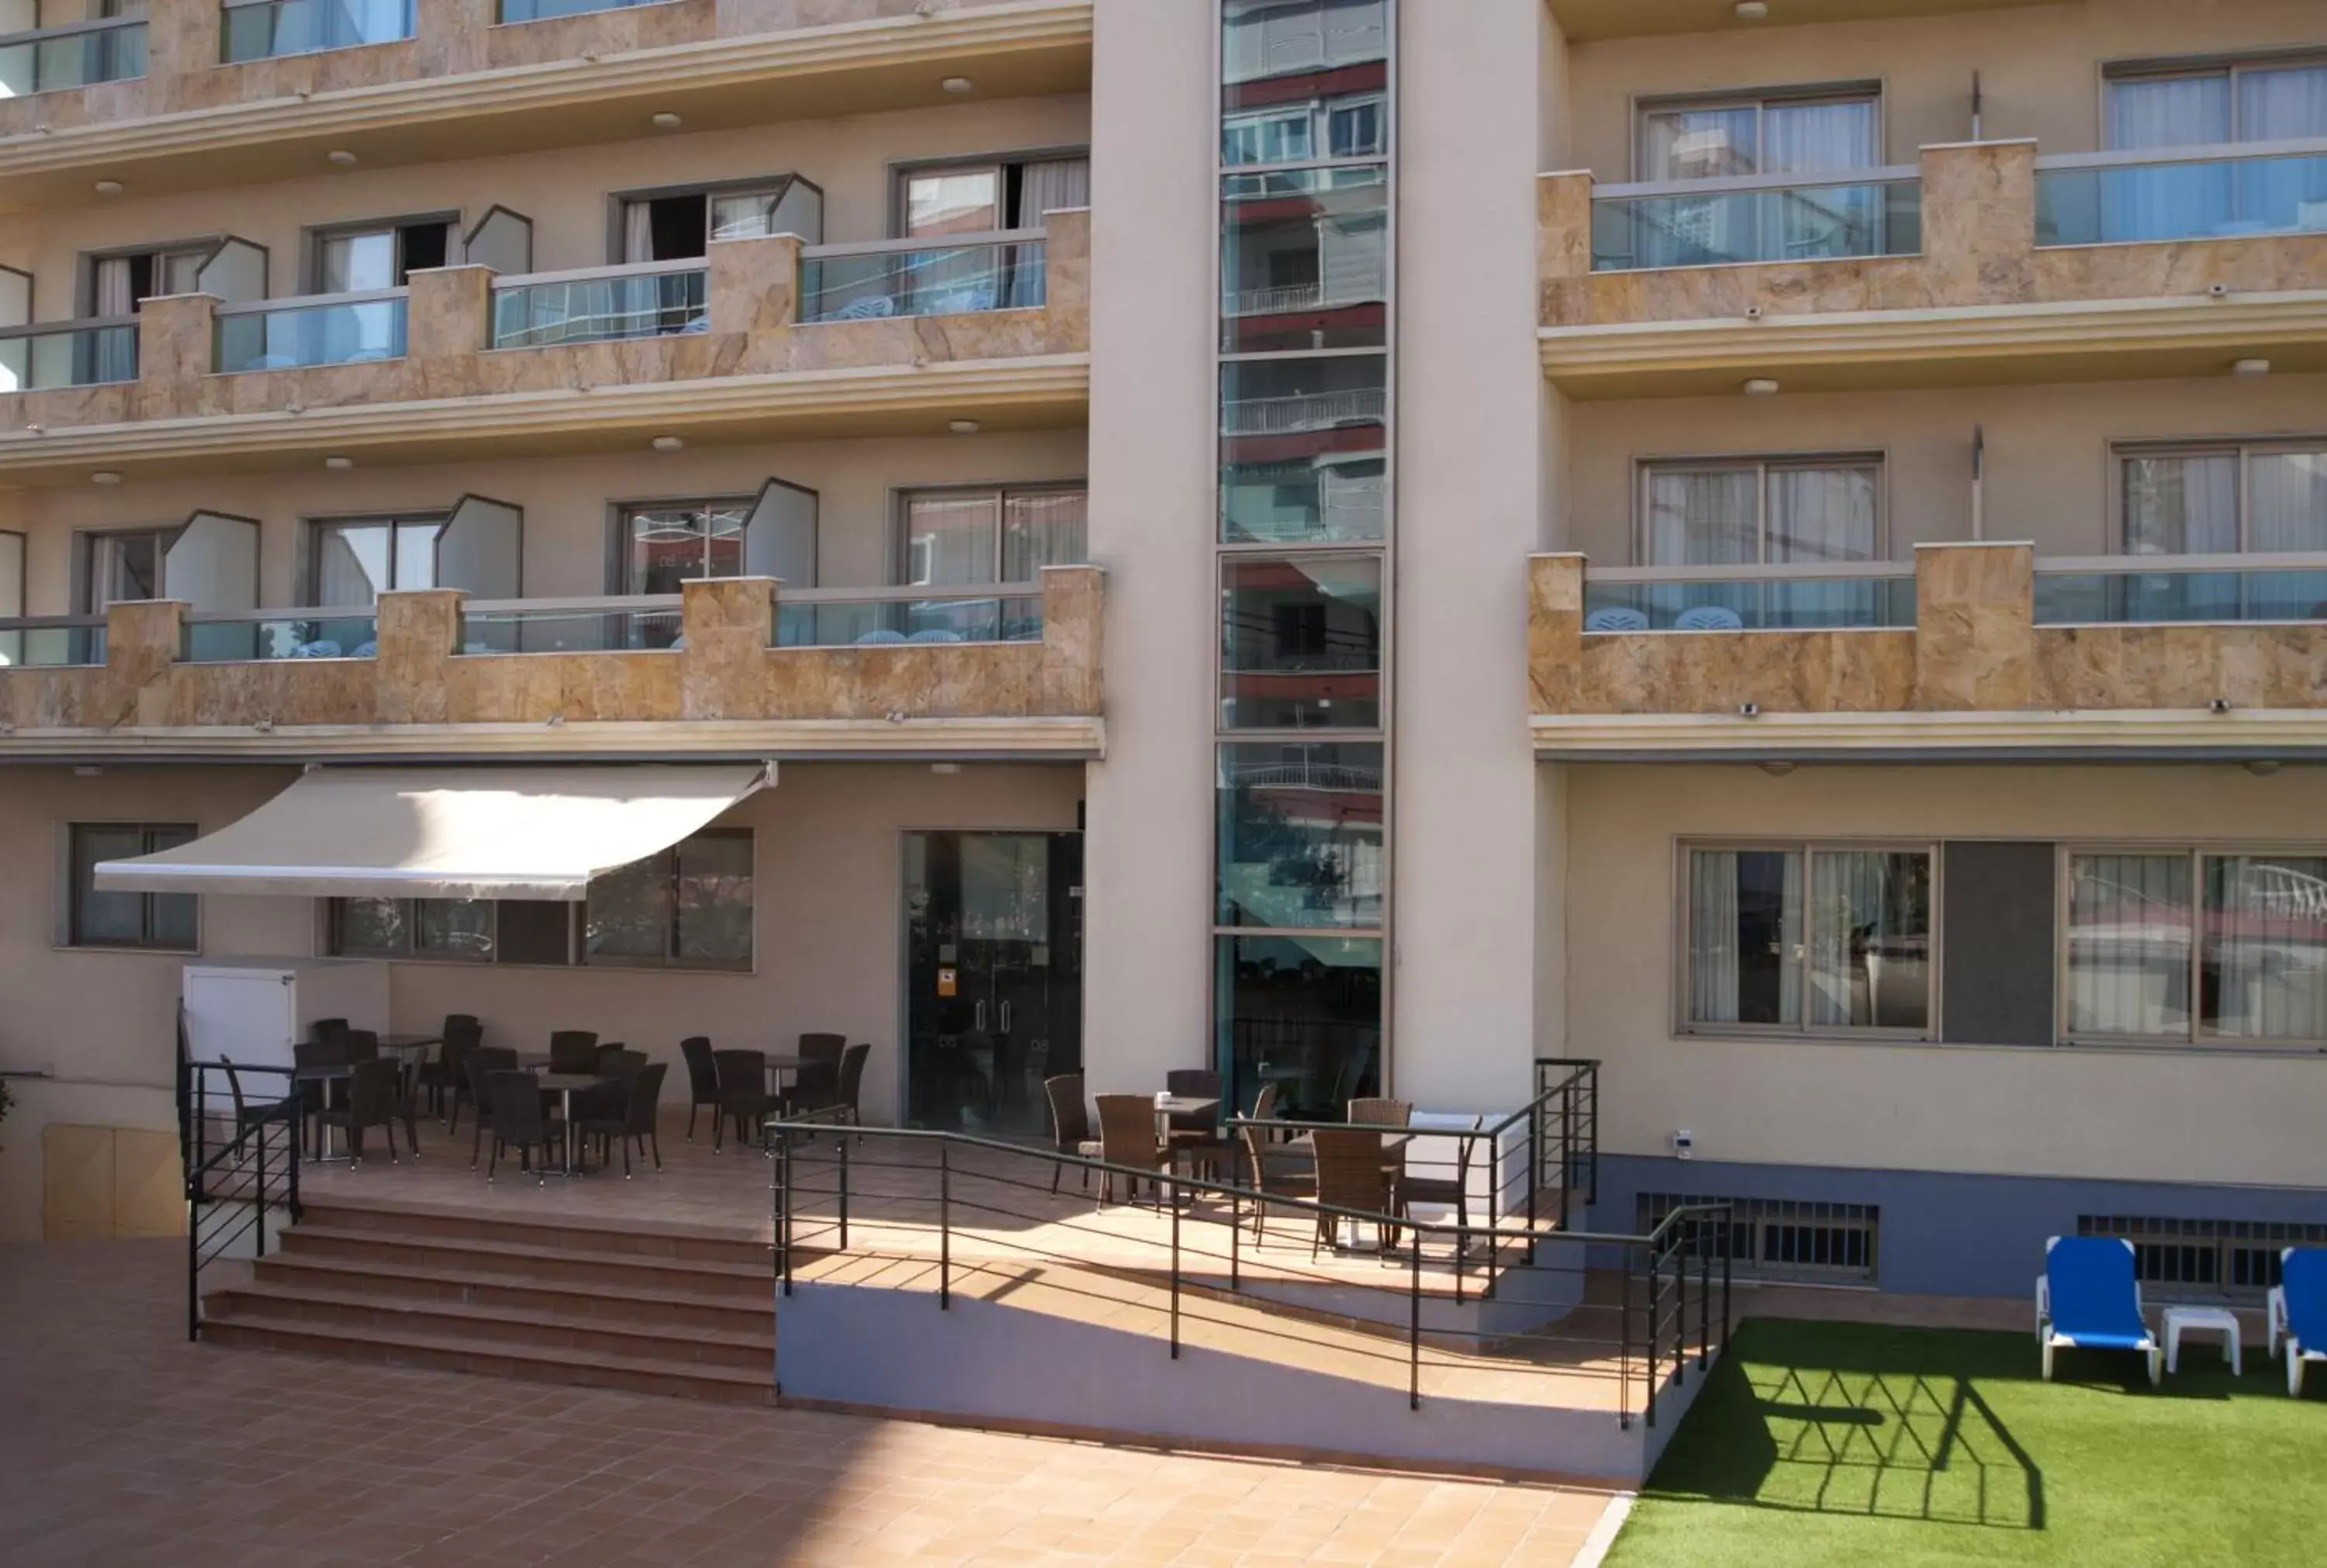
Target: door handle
{"type": "Point", "coordinates": [1006, 1018]}
{"type": "Point", "coordinates": [980, 1014]}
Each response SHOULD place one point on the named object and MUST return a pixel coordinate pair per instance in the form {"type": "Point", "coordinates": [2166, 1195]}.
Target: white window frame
{"type": "Point", "coordinates": [1684, 1027]}
{"type": "Point", "coordinates": [2246, 450]}
{"type": "Point", "coordinates": [2199, 1036]}
{"type": "Point", "coordinates": [1763, 464]}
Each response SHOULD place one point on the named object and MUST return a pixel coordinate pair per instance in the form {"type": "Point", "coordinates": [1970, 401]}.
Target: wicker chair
{"type": "Point", "coordinates": [632, 1120]}
{"type": "Point", "coordinates": [1382, 1113]}
{"type": "Point", "coordinates": [1351, 1174]}
{"type": "Point", "coordinates": [702, 1078]}
{"type": "Point", "coordinates": [1197, 1135]}
{"type": "Point", "coordinates": [1275, 1169]}
{"type": "Point", "coordinates": [817, 1085]}
{"type": "Point", "coordinates": [322, 1029]}
{"type": "Point", "coordinates": [1070, 1128]}
{"type": "Point", "coordinates": [852, 1083]}
{"type": "Point", "coordinates": [448, 1082]}
{"type": "Point", "coordinates": [518, 1122]}
{"type": "Point", "coordinates": [1453, 1190]}
{"type": "Point", "coordinates": [743, 1094]}
{"type": "Point", "coordinates": [374, 1099]}
{"type": "Point", "coordinates": [1126, 1136]}
{"type": "Point", "coordinates": [481, 1065]}
{"type": "Point", "coordinates": [574, 1050]}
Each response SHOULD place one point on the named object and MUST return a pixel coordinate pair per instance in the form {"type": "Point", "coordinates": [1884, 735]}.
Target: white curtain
{"type": "Point", "coordinates": [1737, 938]}
{"type": "Point", "coordinates": [2170, 202]}
{"type": "Point", "coordinates": [1713, 936]}
{"type": "Point", "coordinates": [1822, 514]}
{"type": "Point", "coordinates": [2266, 946]}
{"type": "Point", "coordinates": [1818, 138]}
{"type": "Point", "coordinates": [1702, 517]}
{"type": "Point", "coordinates": [1827, 221]}
{"type": "Point", "coordinates": [2283, 194]}
{"type": "Point", "coordinates": [116, 347]}
{"type": "Point", "coordinates": [1869, 938]}
{"type": "Point", "coordinates": [2287, 491]}
{"type": "Point", "coordinates": [951, 540]}
{"type": "Point", "coordinates": [2129, 923]}
{"type": "Point", "coordinates": [2182, 506]}
{"type": "Point", "coordinates": [1042, 528]}
{"type": "Point", "coordinates": [638, 231]}
{"type": "Point", "coordinates": [1052, 186]}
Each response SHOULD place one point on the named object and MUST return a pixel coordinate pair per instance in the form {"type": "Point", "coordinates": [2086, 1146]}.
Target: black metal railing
{"type": "Point", "coordinates": [239, 1132]}
{"type": "Point", "coordinates": [1619, 1306]}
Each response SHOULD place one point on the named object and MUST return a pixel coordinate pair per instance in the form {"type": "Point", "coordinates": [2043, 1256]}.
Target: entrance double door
{"type": "Point", "coordinates": [994, 977]}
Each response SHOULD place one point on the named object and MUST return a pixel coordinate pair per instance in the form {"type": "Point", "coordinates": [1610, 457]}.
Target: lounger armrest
{"type": "Point", "coordinates": [2277, 1318]}
{"type": "Point", "coordinates": [2043, 1305]}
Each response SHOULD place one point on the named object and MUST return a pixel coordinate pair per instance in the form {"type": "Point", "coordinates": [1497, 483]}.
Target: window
{"type": "Point", "coordinates": [2202, 1260]}
{"type": "Point", "coordinates": [2223, 498]}
{"type": "Point", "coordinates": [1301, 644]}
{"type": "Point", "coordinates": [1812, 938]}
{"type": "Point", "coordinates": [355, 560]}
{"type": "Point", "coordinates": [2235, 101]}
{"type": "Point", "coordinates": [1772, 1238]}
{"type": "Point", "coordinates": [959, 537]}
{"type": "Point", "coordinates": [1733, 511]}
{"type": "Point", "coordinates": [1805, 132]}
{"type": "Point", "coordinates": [995, 193]}
{"type": "Point", "coordinates": [674, 225]}
{"type": "Point", "coordinates": [667, 542]}
{"type": "Point", "coordinates": [689, 906]}
{"type": "Point", "coordinates": [117, 568]}
{"type": "Point", "coordinates": [2167, 108]}
{"type": "Point", "coordinates": [363, 257]}
{"type": "Point", "coordinates": [2181, 945]}
{"type": "Point", "coordinates": [120, 283]}
{"type": "Point", "coordinates": [111, 920]}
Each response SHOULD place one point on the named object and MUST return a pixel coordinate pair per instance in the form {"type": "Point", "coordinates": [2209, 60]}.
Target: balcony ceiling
{"type": "Point", "coordinates": [1592, 21]}
{"type": "Point", "coordinates": [1044, 393]}
{"type": "Point", "coordinates": [1033, 48]}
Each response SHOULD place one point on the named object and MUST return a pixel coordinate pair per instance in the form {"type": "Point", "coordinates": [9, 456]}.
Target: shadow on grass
{"type": "Point", "coordinates": [1850, 1420]}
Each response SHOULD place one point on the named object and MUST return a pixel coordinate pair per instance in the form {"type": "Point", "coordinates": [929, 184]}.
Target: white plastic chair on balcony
{"type": "Point", "coordinates": [1616, 618]}
{"type": "Point", "coordinates": [1708, 617]}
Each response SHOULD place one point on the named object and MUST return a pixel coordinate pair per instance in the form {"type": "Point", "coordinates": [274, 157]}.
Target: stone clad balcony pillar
{"type": "Point", "coordinates": [143, 638]}
{"type": "Point", "coordinates": [1066, 284]}
{"type": "Point", "coordinates": [448, 311]}
{"type": "Point", "coordinates": [1974, 626]}
{"type": "Point", "coordinates": [418, 631]}
{"type": "Point", "coordinates": [728, 622]}
{"type": "Point", "coordinates": [755, 285]}
{"type": "Point", "coordinates": [175, 346]}
{"type": "Point", "coordinates": [1979, 221]}
{"type": "Point", "coordinates": [181, 46]}
{"type": "Point", "coordinates": [1563, 210]}
{"type": "Point", "coordinates": [1554, 650]}
{"type": "Point", "coordinates": [1074, 603]}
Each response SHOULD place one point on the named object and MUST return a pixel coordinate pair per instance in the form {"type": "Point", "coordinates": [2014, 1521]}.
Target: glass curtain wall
{"type": "Point", "coordinates": [1302, 720]}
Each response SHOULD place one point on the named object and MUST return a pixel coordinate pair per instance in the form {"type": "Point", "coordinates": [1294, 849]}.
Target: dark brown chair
{"type": "Point", "coordinates": [360, 1044]}
{"type": "Point", "coordinates": [1455, 1191]}
{"type": "Point", "coordinates": [450, 1080]}
{"type": "Point", "coordinates": [608, 1047]}
{"type": "Point", "coordinates": [481, 1064]}
{"type": "Point", "coordinates": [634, 1120]}
{"type": "Point", "coordinates": [322, 1029]}
{"type": "Point", "coordinates": [315, 1095]}
{"type": "Point", "coordinates": [702, 1079]}
{"type": "Point", "coordinates": [574, 1050]}
{"type": "Point", "coordinates": [852, 1083]}
{"type": "Point", "coordinates": [245, 1116]}
{"type": "Point", "coordinates": [817, 1085]}
{"type": "Point", "coordinates": [374, 1099]}
{"type": "Point", "coordinates": [1351, 1174]}
{"type": "Point", "coordinates": [1126, 1136]}
{"type": "Point", "coordinates": [743, 1094]}
{"type": "Point", "coordinates": [814, 1046]}
{"type": "Point", "coordinates": [518, 1122]}
{"type": "Point", "coordinates": [1070, 1128]}
{"type": "Point", "coordinates": [1275, 1169]}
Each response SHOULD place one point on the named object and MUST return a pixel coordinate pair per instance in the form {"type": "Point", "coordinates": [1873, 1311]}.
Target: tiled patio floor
{"type": "Point", "coordinates": [122, 1444]}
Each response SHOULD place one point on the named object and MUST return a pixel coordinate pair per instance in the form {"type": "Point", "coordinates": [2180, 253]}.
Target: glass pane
{"type": "Point", "coordinates": [1744, 936]}
{"type": "Point", "coordinates": [1818, 138]}
{"type": "Point", "coordinates": [953, 201]}
{"type": "Point", "coordinates": [1301, 1012]}
{"type": "Point", "coordinates": [352, 566]}
{"type": "Point", "coordinates": [2263, 969]}
{"type": "Point", "coordinates": [282, 340]}
{"type": "Point", "coordinates": [2288, 491]}
{"type": "Point", "coordinates": [129, 568]}
{"type": "Point", "coordinates": [1806, 223]}
{"type": "Point", "coordinates": [2180, 111]}
{"type": "Point", "coordinates": [1810, 604]}
{"type": "Point", "coordinates": [1043, 529]}
{"type": "Point", "coordinates": [1704, 144]}
{"type": "Point", "coordinates": [600, 310]}
{"type": "Point", "coordinates": [722, 544]}
{"type": "Point", "coordinates": [1870, 939]}
{"type": "Point", "coordinates": [354, 262]}
{"type": "Point", "coordinates": [666, 547]}
{"type": "Point", "coordinates": [1702, 517]}
{"type": "Point", "coordinates": [1005, 880]}
{"type": "Point", "coordinates": [105, 919]}
{"type": "Point", "coordinates": [1302, 449]}
{"type": "Point", "coordinates": [1822, 514]}
{"type": "Point", "coordinates": [748, 216]}
{"type": "Point", "coordinates": [415, 555]}
{"type": "Point", "coordinates": [1301, 643]}
{"type": "Point", "coordinates": [951, 539]}
{"type": "Point", "coordinates": [629, 910]}
{"type": "Point", "coordinates": [2181, 505]}
{"type": "Point", "coordinates": [1300, 836]}
{"type": "Point", "coordinates": [453, 928]}
{"type": "Point", "coordinates": [367, 926]}
{"type": "Point", "coordinates": [1267, 46]}
{"type": "Point", "coordinates": [1305, 259]}
{"type": "Point", "coordinates": [714, 900]}
{"type": "Point", "coordinates": [2129, 944]}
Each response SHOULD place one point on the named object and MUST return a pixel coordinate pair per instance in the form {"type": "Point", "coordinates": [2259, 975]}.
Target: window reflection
{"type": "Point", "coordinates": [1302, 1013]}
{"type": "Point", "coordinates": [1303, 449]}
{"type": "Point", "coordinates": [1305, 259]}
{"type": "Point", "coordinates": [1301, 643]}
{"type": "Point", "coordinates": [1300, 836]}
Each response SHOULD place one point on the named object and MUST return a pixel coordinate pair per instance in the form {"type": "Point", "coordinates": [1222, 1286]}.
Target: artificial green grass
{"type": "Point", "coordinates": [1849, 1444]}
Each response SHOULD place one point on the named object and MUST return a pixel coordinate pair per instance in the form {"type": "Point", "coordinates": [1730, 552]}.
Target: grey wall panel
{"type": "Point", "coordinates": [1996, 943]}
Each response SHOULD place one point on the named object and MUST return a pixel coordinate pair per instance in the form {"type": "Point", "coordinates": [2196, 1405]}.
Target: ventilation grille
{"type": "Point", "coordinates": [2204, 1260]}
{"type": "Point", "coordinates": [1780, 1238]}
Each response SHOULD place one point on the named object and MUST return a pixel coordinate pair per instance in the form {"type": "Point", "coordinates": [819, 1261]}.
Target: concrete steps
{"type": "Point", "coordinates": [652, 1311]}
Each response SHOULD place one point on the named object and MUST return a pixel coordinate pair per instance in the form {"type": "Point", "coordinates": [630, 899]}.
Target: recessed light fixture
{"type": "Point", "coordinates": [1752, 10]}
{"type": "Point", "coordinates": [342, 157]}
{"type": "Point", "coordinates": [105, 476]}
{"type": "Point", "coordinates": [339, 464]}
{"type": "Point", "coordinates": [1760, 386]}
{"type": "Point", "coordinates": [665, 121]}
{"type": "Point", "coordinates": [2250, 367]}
{"type": "Point", "coordinates": [962, 426]}
{"type": "Point", "coordinates": [956, 84]}
{"type": "Point", "coordinates": [945, 769]}
{"type": "Point", "coordinates": [668, 443]}
{"type": "Point", "coordinates": [107, 187]}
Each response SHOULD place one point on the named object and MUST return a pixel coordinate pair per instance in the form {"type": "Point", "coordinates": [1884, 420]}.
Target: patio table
{"type": "Point", "coordinates": [566, 1085]}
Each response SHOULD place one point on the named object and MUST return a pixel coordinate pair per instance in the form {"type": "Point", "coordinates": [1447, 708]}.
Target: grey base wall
{"type": "Point", "coordinates": [1949, 1235]}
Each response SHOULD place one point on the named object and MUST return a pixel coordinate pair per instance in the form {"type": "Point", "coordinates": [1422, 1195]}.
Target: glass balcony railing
{"type": "Point", "coordinates": [546, 10]}
{"type": "Point", "coordinates": [54, 58]}
{"type": "Point", "coordinates": [264, 635]}
{"type": "Point", "coordinates": [321, 329]}
{"type": "Point", "coordinates": [1749, 599]}
{"type": "Point", "coordinates": [36, 358]}
{"type": "Point", "coordinates": [267, 29]}
{"type": "Point", "coordinates": [2137, 590]}
{"type": "Point", "coordinates": [572, 626]}
{"type": "Point", "coordinates": [659, 300]}
{"type": "Point", "coordinates": [1722, 222]}
{"type": "Point", "coordinates": [855, 283]}
{"type": "Point", "coordinates": [828, 617]}
{"type": "Point", "coordinates": [2193, 193]}
{"type": "Point", "coordinates": [52, 642]}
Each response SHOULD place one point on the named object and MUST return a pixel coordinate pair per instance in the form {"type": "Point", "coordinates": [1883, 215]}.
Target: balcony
{"type": "Point", "coordinates": [737, 665]}
{"type": "Point", "coordinates": [247, 94]}
{"type": "Point", "coordinates": [1976, 649]}
{"type": "Point", "coordinates": [462, 361]}
{"type": "Point", "coordinates": [1980, 263]}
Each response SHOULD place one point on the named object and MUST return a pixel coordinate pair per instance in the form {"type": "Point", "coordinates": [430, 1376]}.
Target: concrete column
{"type": "Point", "coordinates": [1472, 501]}
{"type": "Point", "coordinates": [755, 284]}
{"type": "Point", "coordinates": [1155, 121]}
{"type": "Point", "coordinates": [448, 313]}
{"type": "Point", "coordinates": [1974, 626]}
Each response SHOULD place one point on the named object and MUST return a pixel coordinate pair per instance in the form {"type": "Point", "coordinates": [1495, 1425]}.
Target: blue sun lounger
{"type": "Point", "coordinates": [2086, 1299]}
{"type": "Point", "coordinates": [2298, 1311]}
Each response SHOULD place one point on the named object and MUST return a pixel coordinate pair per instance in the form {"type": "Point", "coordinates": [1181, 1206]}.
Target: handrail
{"type": "Point", "coordinates": [1754, 572]}
{"type": "Point", "coordinates": [1728, 185]}
{"type": "Point", "coordinates": [77, 325]}
{"type": "Point", "coordinates": [924, 242]}
{"type": "Point", "coordinates": [2196, 152]}
{"type": "Point", "coordinates": [236, 1171]}
{"type": "Point", "coordinates": [293, 613]}
{"type": "Point", "coordinates": [2130, 565]}
{"type": "Point", "coordinates": [67, 29]}
{"type": "Point", "coordinates": [911, 593]}
{"type": "Point", "coordinates": [52, 622]}
{"type": "Point", "coordinates": [309, 302]}
{"type": "Point", "coordinates": [614, 271]}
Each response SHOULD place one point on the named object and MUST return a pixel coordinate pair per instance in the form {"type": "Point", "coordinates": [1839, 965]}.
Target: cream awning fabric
{"type": "Point", "coordinates": [445, 833]}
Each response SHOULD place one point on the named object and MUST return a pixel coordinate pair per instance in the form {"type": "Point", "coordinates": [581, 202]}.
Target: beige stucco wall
{"type": "Point", "coordinates": [2039, 68]}
{"type": "Point", "coordinates": [565, 501]}
{"type": "Point", "coordinates": [2155, 1116]}
{"type": "Point", "coordinates": [2049, 467]}
{"type": "Point", "coordinates": [564, 192]}
{"type": "Point", "coordinates": [828, 939]}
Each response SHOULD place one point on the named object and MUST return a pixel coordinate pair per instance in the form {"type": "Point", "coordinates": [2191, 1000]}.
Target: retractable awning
{"type": "Point", "coordinates": [445, 833]}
